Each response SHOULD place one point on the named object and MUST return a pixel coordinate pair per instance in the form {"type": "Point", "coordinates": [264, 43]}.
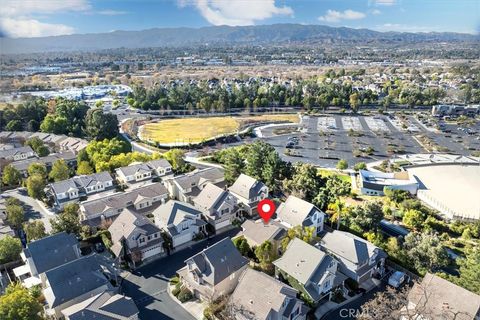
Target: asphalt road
{"type": "Point", "coordinates": [147, 285]}
{"type": "Point", "coordinates": [33, 210]}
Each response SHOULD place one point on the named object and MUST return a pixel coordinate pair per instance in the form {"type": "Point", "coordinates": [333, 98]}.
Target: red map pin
{"type": "Point", "coordinates": [266, 208]}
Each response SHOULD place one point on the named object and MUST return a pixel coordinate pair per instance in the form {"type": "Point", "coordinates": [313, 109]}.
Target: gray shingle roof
{"type": "Point", "coordinates": [295, 210]}
{"type": "Point", "coordinates": [348, 247]}
{"type": "Point", "coordinates": [197, 177]}
{"type": "Point", "coordinates": [80, 182]}
{"type": "Point", "coordinates": [219, 261]}
{"type": "Point", "coordinates": [174, 212]}
{"type": "Point", "coordinates": [258, 232]}
{"type": "Point", "coordinates": [246, 186]}
{"type": "Point", "coordinates": [211, 197]}
{"type": "Point", "coordinates": [74, 279]}
{"type": "Point", "coordinates": [128, 222]}
{"type": "Point", "coordinates": [144, 167]}
{"type": "Point", "coordinates": [23, 165]}
{"type": "Point", "coordinates": [122, 199]}
{"type": "Point", "coordinates": [104, 306]}
{"type": "Point", "coordinates": [12, 152]}
{"type": "Point", "coordinates": [52, 251]}
{"type": "Point", "coordinates": [300, 260]}
{"type": "Point", "coordinates": [257, 294]}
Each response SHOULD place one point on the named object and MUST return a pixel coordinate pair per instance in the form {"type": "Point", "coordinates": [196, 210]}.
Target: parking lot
{"type": "Point", "coordinates": [323, 140]}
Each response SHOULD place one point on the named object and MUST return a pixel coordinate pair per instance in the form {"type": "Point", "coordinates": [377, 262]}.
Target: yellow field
{"type": "Point", "coordinates": [195, 130]}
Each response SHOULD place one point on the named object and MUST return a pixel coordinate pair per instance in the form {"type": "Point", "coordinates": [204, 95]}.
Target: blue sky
{"type": "Point", "coordinates": [33, 18]}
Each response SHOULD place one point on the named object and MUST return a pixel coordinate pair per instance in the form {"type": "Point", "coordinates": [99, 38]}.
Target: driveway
{"type": "Point", "coordinates": [148, 284]}
{"type": "Point", "coordinates": [33, 209]}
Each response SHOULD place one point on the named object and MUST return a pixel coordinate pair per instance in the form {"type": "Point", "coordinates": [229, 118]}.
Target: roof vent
{"type": "Point", "coordinates": [251, 301]}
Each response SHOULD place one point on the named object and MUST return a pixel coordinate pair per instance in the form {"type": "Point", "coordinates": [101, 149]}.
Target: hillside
{"type": "Point", "coordinates": [218, 35]}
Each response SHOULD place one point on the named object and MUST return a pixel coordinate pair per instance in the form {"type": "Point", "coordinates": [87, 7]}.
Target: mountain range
{"type": "Point", "coordinates": [277, 34]}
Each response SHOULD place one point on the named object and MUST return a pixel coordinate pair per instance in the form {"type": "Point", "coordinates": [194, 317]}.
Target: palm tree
{"type": "Point", "coordinates": [337, 209]}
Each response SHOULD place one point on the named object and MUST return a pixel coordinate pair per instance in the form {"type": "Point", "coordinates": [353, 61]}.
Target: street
{"type": "Point", "coordinates": [33, 210]}
{"type": "Point", "coordinates": [147, 285]}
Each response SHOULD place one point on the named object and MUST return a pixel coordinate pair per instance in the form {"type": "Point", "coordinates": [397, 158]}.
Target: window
{"type": "Point", "coordinates": [141, 240]}
{"type": "Point", "coordinates": [155, 235]}
{"type": "Point", "coordinates": [149, 238]}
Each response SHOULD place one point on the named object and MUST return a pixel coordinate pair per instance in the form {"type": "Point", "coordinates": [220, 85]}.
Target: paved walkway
{"type": "Point", "coordinates": [195, 307]}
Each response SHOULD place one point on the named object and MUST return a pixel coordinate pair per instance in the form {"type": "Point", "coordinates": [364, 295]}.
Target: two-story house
{"type": "Point", "coordinates": [297, 212]}
{"type": "Point", "coordinates": [69, 157]}
{"type": "Point", "coordinates": [72, 283]}
{"type": "Point", "coordinates": [312, 268]}
{"type": "Point", "coordinates": [180, 221]}
{"type": "Point", "coordinates": [135, 236]}
{"type": "Point", "coordinates": [259, 296]}
{"type": "Point", "coordinates": [187, 186]}
{"type": "Point", "coordinates": [358, 258]}
{"type": "Point", "coordinates": [17, 154]}
{"type": "Point", "coordinates": [214, 271]}
{"type": "Point", "coordinates": [45, 254]}
{"type": "Point", "coordinates": [257, 232]}
{"type": "Point", "coordinates": [104, 306]}
{"type": "Point", "coordinates": [218, 206]}
{"type": "Point", "coordinates": [137, 172]}
{"type": "Point", "coordinates": [71, 190]}
{"type": "Point", "coordinates": [142, 200]}
{"type": "Point", "coordinates": [249, 192]}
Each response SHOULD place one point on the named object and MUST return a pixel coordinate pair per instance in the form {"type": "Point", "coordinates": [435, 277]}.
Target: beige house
{"type": "Point", "coordinates": [214, 271]}
{"type": "Point", "coordinates": [257, 232]}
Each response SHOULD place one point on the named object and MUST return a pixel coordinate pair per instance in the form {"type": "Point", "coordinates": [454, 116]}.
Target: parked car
{"type": "Point", "coordinates": [397, 279]}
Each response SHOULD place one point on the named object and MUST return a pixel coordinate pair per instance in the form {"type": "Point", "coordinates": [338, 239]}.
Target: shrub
{"type": "Point", "coordinates": [184, 295]}
{"type": "Point", "coordinates": [174, 280]}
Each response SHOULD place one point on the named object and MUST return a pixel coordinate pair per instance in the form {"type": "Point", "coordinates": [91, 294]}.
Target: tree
{"type": "Point", "coordinates": [337, 210]}
{"type": "Point", "coordinates": [265, 254]}
{"type": "Point", "coordinates": [307, 234]}
{"type": "Point", "coordinates": [234, 165]}
{"type": "Point", "coordinates": [10, 249]}
{"type": "Point", "coordinates": [35, 186]}
{"type": "Point", "coordinates": [19, 303]}
{"type": "Point", "coordinates": [35, 230]}
{"type": "Point", "coordinates": [366, 217]}
{"type": "Point", "coordinates": [67, 220]}
{"type": "Point", "coordinates": [242, 246]}
{"type": "Point", "coordinates": [387, 304]}
{"type": "Point", "coordinates": [84, 167]}
{"type": "Point", "coordinates": [354, 101]}
{"type": "Point", "coordinates": [413, 218]}
{"type": "Point", "coordinates": [37, 168]}
{"type": "Point", "coordinates": [101, 125]}
{"type": "Point", "coordinates": [38, 146]}
{"type": "Point", "coordinates": [305, 182]}
{"type": "Point", "coordinates": [175, 157]}
{"type": "Point", "coordinates": [425, 251]}
{"type": "Point", "coordinates": [360, 166]}
{"type": "Point", "coordinates": [14, 125]}
{"type": "Point", "coordinates": [59, 171]}
{"type": "Point", "coordinates": [11, 176]}
{"type": "Point", "coordinates": [15, 215]}
{"type": "Point", "coordinates": [395, 195]}
{"type": "Point", "coordinates": [469, 271]}
{"type": "Point", "coordinates": [342, 164]}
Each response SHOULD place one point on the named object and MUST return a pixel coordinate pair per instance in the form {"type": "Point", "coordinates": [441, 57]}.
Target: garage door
{"type": "Point", "coordinates": [181, 239]}
{"type": "Point", "coordinates": [151, 252]}
{"type": "Point", "coordinates": [222, 224]}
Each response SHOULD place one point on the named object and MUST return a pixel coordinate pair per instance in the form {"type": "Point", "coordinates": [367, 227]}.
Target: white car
{"type": "Point", "coordinates": [397, 279]}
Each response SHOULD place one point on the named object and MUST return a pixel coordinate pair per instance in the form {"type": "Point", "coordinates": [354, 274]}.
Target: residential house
{"type": "Point", "coordinates": [298, 212]}
{"type": "Point", "coordinates": [104, 306]}
{"type": "Point", "coordinates": [437, 298]}
{"type": "Point", "coordinates": [46, 254]}
{"type": "Point", "coordinates": [218, 206]}
{"type": "Point", "coordinates": [72, 283]}
{"type": "Point", "coordinates": [137, 172]}
{"type": "Point", "coordinates": [214, 271]}
{"type": "Point", "coordinates": [314, 270]}
{"type": "Point", "coordinates": [142, 200]}
{"type": "Point", "coordinates": [187, 186]}
{"type": "Point", "coordinates": [17, 154]}
{"type": "Point", "coordinates": [257, 232]}
{"type": "Point", "coordinates": [249, 192]}
{"type": "Point", "coordinates": [71, 190]}
{"type": "Point", "coordinates": [358, 258]}
{"type": "Point", "coordinates": [72, 144]}
{"type": "Point", "coordinates": [259, 296]}
{"type": "Point", "coordinates": [69, 157]}
{"type": "Point", "coordinates": [180, 221]}
{"type": "Point", "coordinates": [136, 236]}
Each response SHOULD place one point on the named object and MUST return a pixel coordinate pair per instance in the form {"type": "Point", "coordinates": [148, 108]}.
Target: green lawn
{"type": "Point", "coordinates": [327, 173]}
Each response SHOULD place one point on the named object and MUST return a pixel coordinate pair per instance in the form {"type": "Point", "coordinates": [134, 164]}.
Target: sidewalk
{"type": "Point", "coordinates": [194, 307]}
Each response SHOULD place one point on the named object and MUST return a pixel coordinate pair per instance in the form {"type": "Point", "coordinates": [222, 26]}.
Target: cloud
{"type": "Point", "coordinates": [24, 8]}
{"type": "Point", "coordinates": [237, 12]}
{"type": "Point", "coordinates": [385, 2]}
{"type": "Point", "coordinates": [376, 12]}
{"type": "Point", "coordinates": [19, 28]}
{"type": "Point", "coordinates": [336, 16]}
{"type": "Point", "coordinates": [111, 12]}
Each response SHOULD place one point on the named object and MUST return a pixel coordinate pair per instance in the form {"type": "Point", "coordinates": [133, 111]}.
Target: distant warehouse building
{"type": "Point", "coordinates": [454, 110]}
{"type": "Point", "coordinates": [373, 183]}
